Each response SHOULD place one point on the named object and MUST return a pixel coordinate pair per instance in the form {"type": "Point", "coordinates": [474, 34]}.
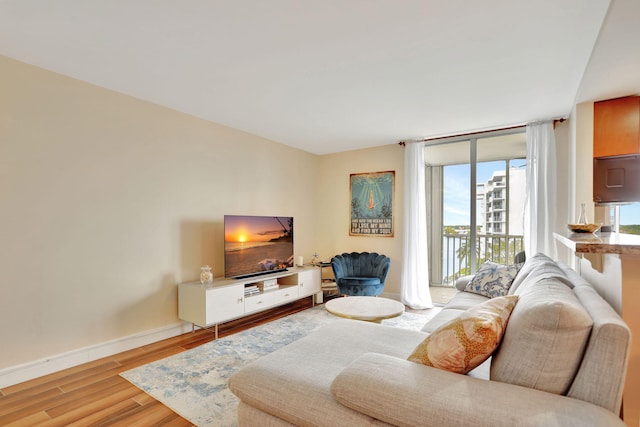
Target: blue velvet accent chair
{"type": "Point", "coordinates": [360, 273]}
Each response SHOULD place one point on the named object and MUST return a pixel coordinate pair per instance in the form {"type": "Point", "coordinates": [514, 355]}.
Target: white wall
{"type": "Point", "coordinates": [107, 202]}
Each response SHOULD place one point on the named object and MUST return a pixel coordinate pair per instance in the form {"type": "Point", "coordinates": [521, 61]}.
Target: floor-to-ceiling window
{"type": "Point", "coordinates": [475, 201]}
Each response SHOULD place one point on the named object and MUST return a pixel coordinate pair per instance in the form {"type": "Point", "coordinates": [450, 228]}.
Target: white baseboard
{"type": "Point", "coordinates": [28, 371]}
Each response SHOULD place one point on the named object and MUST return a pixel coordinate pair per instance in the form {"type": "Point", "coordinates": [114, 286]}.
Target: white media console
{"type": "Point", "coordinates": [224, 299]}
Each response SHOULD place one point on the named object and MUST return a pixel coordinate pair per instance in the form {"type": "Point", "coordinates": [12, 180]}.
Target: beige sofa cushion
{"type": "Point", "coordinates": [464, 301]}
{"type": "Point", "coordinates": [408, 394]}
{"type": "Point", "coordinates": [445, 316]}
{"type": "Point", "coordinates": [608, 346]}
{"type": "Point", "coordinates": [538, 267]}
{"type": "Point", "coordinates": [293, 383]}
{"type": "Point", "coordinates": [545, 340]}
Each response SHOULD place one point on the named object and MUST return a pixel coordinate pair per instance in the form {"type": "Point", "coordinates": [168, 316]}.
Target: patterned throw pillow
{"type": "Point", "coordinates": [493, 280]}
{"type": "Point", "coordinates": [465, 342]}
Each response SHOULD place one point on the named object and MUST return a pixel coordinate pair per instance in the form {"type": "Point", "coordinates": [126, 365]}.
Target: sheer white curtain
{"type": "Point", "coordinates": [539, 212]}
{"type": "Point", "coordinates": [415, 272]}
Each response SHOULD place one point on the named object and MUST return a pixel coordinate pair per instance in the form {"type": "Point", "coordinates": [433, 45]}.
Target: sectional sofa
{"type": "Point", "coordinates": [561, 362]}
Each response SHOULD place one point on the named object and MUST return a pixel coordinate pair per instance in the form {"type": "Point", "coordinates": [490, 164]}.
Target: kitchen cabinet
{"type": "Point", "coordinates": [616, 127]}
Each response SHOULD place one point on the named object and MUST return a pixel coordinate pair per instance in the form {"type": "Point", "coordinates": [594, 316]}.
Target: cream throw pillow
{"type": "Point", "coordinates": [465, 342]}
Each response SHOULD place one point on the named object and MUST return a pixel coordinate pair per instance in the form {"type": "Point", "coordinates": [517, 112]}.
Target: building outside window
{"type": "Point", "coordinates": [474, 207]}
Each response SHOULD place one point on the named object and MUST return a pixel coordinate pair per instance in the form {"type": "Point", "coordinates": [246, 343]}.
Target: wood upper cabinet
{"type": "Point", "coordinates": [616, 127]}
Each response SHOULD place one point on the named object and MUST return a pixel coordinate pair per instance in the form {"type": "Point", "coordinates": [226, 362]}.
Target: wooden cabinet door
{"type": "Point", "coordinates": [616, 127]}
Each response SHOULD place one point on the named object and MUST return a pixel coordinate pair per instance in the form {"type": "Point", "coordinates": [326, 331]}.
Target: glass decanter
{"type": "Point", "coordinates": [582, 219]}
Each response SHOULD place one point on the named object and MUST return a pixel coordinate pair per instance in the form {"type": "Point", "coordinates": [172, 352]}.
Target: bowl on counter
{"type": "Point", "coordinates": [584, 228]}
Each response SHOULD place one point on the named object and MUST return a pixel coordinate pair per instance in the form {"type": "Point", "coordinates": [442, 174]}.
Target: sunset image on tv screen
{"type": "Point", "coordinates": [257, 244]}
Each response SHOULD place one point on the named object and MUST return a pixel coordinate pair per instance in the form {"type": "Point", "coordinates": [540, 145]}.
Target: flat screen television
{"type": "Point", "coordinates": [255, 245]}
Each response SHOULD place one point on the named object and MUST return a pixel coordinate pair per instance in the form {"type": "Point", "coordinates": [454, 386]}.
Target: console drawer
{"type": "Point", "coordinates": [258, 302]}
{"type": "Point", "coordinates": [286, 294]}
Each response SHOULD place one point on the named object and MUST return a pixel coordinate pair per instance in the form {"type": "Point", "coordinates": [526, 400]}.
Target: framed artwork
{"type": "Point", "coordinates": [372, 204]}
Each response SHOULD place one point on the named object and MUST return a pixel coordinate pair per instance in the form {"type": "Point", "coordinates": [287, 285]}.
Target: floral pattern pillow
{"type": "Point", "coordinates": [463, 343]}
{"type": "Point", "coordinates": [493, 280]}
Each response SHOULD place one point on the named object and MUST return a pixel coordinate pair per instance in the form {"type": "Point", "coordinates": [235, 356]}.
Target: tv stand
{"type": "Point", "coordinates": [224, 299]}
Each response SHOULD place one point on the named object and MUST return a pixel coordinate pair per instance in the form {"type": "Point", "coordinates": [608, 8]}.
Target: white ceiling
{"type": "Point", "coordinates": [333, 75]}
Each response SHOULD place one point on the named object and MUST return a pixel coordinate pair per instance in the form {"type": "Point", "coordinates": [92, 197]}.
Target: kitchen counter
{"type": "Point", "coordinates": [600, 243]}
{"type": "Point", "coordinates": [611, 262]}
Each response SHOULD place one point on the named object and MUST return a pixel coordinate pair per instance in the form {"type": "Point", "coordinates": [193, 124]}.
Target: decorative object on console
{"type": "Point", "coordinates": [315, 260]}
{"type": "Point", "coordinates": [372, 204]}
{"type": "Point", "coordinates": [465, 342]}
{"type": "Point", "coordinates": [206, 276]}
{"type": "Point", "coordinates": [300, 261]}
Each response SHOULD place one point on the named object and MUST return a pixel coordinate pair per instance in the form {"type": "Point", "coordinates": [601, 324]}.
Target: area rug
{"type": "Point", "coordinates": [194, 383]}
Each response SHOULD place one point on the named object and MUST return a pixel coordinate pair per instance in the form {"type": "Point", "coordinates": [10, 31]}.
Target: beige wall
{"type": "Point", "coordinates": [107, 202]}
{"type": "Point", "coordinates": [600, 271]}
{"type": "Point", "coordinates": [584, 158]}
{"type": "Point", "coordinates": [578, 167]}
{"type": "Point", "coordinates": [334, 198]}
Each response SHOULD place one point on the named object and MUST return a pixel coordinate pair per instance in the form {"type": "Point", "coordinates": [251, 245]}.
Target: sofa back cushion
{"type": "Point", "coordinates": [545, 339]}
{"type": "Point", "coordinates": [601, 376]}
{"type": "Point", "coordinates": [539, 266]}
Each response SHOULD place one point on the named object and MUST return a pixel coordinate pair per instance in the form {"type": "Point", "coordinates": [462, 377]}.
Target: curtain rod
{"type": "Point", "coordinates": [558, 120]}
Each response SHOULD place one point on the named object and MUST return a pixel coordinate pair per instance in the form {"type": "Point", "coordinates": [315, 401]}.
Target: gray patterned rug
{"type": "Point", "coordinates": [194, 383]}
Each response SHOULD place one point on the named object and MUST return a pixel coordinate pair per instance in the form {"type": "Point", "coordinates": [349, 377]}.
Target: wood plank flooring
{"type": "Point", "coordinates": [93, 394]}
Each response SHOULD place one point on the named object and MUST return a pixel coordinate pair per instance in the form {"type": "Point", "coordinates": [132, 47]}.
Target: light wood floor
{"type": "Point", "coordinates": [94, 394]}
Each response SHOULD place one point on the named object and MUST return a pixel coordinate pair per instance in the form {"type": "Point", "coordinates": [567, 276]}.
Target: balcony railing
{"type": "Point", "coordinates": [498, 248]}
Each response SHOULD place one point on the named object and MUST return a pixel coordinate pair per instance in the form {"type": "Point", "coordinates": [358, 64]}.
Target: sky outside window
{"type": "Point", "coordinates": [457, 192]}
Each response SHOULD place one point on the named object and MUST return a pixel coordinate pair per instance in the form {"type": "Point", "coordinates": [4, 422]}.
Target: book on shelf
{"type": "Point", "coordinates": [251, 290]}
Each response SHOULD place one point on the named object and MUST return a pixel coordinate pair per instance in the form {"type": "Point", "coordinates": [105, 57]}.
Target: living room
{"type": "Point", "coordinates": [110, 201]}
